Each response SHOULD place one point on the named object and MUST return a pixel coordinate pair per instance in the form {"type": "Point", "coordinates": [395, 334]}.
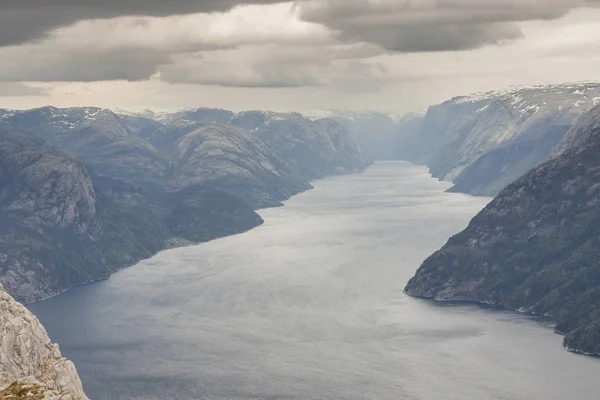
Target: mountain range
{"type": "Point", "coordinates": [484, 142]}
{"type": "Point", "coordinates": [86, 191]}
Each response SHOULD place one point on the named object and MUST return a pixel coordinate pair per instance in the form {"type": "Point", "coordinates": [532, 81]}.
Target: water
{"type": "Point", "coordinates": [310, 307]}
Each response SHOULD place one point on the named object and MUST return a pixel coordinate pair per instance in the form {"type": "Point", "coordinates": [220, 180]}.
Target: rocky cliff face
{"type": "Point", "coordinates": [31, 366]}
{"type": "Point", "coordinates": [42, 192]}
{"type": "Point", "coordinates": [483, 142]}
{"type": "Point", "coordinates": [536, 247]}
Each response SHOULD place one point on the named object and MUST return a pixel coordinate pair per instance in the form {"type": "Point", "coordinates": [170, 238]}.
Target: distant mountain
{"type": "Point", "coordinates": [62, 227]}
{"type": "Point", "coordinates": [381, 136]}
{"type": "Point", "coordinates": [236, 162]}
{"type": "Point", "coordinates": [312, 148]}
{"type": "Point", "coordinates": [95, 136]}
{"type": "Point", "coordinates": [536, 247]}
{"type": "Point", "coordinates": [85, 192]}
{"type": "Point", "coordinates": [486, 141]}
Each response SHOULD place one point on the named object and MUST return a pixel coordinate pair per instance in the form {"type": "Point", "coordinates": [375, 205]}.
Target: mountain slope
{"type": "Point", "coordinates": [236, 162]}
{"type": "Point", "coordinates": [63, 226]}
{"type": "Point", "coordinates": [29, 361]}
{"type": "Point", "coordinates": [85, 192]}
{"type": "Point", "coordinates": [312, 149]}
{"type": "Point", "coordinates": [96, 137]}
{"type": "Point", "coordinates": [57, 230]}
{"type": "Point", "coordinates": [485, 141]}
{"type": "Point", "coordinates": [536, 247]}
{"type": "Point", "coordinates": [379, 135]}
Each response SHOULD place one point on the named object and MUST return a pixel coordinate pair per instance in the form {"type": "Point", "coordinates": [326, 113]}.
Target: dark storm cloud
{"type": "Point", "coordinates": [433, 25]}
{"type": "Point", "coordinates": [25, 20]}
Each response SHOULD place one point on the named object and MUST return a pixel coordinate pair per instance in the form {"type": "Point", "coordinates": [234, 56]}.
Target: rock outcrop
{"type": "Point", "coordinates": [536, 247]}
{"type": "Point", "coordinates": [31, 366]}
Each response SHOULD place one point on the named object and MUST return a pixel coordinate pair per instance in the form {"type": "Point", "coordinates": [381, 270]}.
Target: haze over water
{"type": "Point", "coordinates": [309, 306]}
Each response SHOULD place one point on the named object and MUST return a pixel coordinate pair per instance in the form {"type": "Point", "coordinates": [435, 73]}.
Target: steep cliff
{"type": "Point", "coordinates": [485, 141]}
{"type": "Point", "coordinates": [31, 366]}
{"type": "Point", "coordinates": [536, 247]}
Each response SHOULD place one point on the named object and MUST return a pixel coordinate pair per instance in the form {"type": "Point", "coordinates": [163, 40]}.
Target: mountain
{"type": "Point", "coordinates": [535, 247]}
{"type": "Point", "coordinates": [484, 142]}
{"type": "Point", "coordinates": [63, 226]}
{"type": "Point", "coordinates": [235, 162]}
{"type": "Point", "coordinates": [312, 148]}
{"type": "Point", "coordinates": [31, 366]}
{"type": "Point", "coordinates": [95, 136]}
{"type": "Point", "coordinates": [380, 136]}
{"type": "Point", "coordinates": [202, 115]}
{"type": "Point", "coordinates": [58, 230]}
{"type": "Point", "coordinates": [85, 192]}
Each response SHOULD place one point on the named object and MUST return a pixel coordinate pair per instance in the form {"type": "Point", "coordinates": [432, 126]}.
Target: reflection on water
{"type": "Point", "coordinates": [310, 306]}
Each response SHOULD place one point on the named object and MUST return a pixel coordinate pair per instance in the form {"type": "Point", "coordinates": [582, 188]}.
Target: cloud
{"type": "Point", "coordinates": [338, 43]}
{"type": "Point", "coordinates": [15, 89]}
{"type": "Point", "coordinates": [276, 65]}
{"type": "Point", "coordinates": [25, 20]}
{"type": "Point", "coordinates": [136, 48]}
{"type": "Point", "coordinates": [433, 25]}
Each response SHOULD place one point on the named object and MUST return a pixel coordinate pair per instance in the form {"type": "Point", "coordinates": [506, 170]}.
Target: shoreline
{"type": "Point", "coordinates": [191, 244]}
{"type": "Point", "coordinates": [509, 309]}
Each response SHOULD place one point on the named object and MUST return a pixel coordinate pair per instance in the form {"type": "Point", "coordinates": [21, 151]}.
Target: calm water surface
{"type": "Point", "coordinates": [310, 307]}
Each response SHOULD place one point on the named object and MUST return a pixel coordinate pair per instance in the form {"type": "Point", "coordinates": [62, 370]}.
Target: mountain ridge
{"type": "Point", "coordinates": [534, 248]}
{"type": "Point", "coordinates": [89, 192]}
{"type": "Point", "coordinates": [485, 141]}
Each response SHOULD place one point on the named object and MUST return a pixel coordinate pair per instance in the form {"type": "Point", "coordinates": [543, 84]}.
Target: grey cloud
{"type": "Point", "coordinates": [267, 75]}
{"type": "Point", "coordinates": [424, 26]}
{"type": "Point", "coordinates": [278, 66]}
{"type": "Point", "coordinates": [15, 89]}
{"type": "Point", "coordinates": [132, 64]}
{"type": "Point", "coordinates": [25, 20]}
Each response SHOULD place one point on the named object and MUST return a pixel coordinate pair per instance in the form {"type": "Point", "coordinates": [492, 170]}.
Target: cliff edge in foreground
{"type": "Point", "coordinates": [31, 366]}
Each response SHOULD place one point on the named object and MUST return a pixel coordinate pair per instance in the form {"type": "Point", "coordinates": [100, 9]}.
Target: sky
{"type": "Point", "coordinates": [389, 55]}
